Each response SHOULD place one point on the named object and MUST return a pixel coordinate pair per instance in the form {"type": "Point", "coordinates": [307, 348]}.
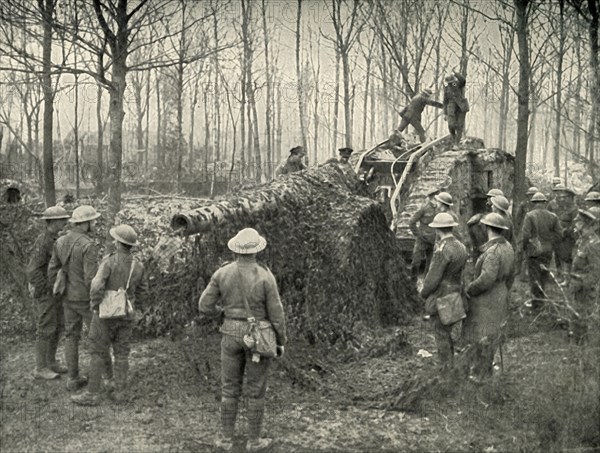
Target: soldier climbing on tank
{"type": "Point", "coordinates": [455, 106]}
{"type": "Point", "coordinates": [424, 234]}
{"type": "Point", "coordinates": [294, 162]}
{"type": "Point", "coordinates": [411, 114]}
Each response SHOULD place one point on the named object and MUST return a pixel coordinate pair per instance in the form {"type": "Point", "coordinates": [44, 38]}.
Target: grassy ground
{"type": "Point", "coordinates": [326, 401]}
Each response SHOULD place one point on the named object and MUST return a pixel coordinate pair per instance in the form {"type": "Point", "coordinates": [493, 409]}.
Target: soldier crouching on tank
{"type": "Point", "coordinates": [120, 269]}
{"type": "Point", "coordinates": [235, 285]}
{"type": "Point", "coordinates": [49, 309]}
{"type": "Point", "coordinates": [444, 278]}
{"type": "Point", "coordinates": [584, 285]}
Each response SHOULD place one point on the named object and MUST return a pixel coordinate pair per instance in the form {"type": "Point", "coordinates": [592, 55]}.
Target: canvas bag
{"type": "Point", "coordinates": [450, 308]}
{"type": "Point", "coordinates": [60, 283]}
{"type": "Point", "coordinates": [116, 304]}
{"type": "Point", "coordinates": [262, 332]}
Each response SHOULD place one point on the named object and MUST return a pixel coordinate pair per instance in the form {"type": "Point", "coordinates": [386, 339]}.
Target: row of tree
{"type": "Point", "coordinates": [243, 81]}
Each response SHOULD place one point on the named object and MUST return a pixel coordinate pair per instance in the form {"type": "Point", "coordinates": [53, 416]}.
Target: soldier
{"type": "Point", "coordinates": [524, 208]}
{"type": "Point", "coordinates": [424, 234]}
{"type": "Point", "coordinates": [118, 270]}
{"type": "Point", "coordinates": [566, 210]}
{"type": "Point", "coordinates": [48, 307]}
{"type": "Point", "coordinates": [477, 231]}
{"type": "Point", "coordinates": [488, 296]}
{"type": "Point", "coordinates": [345, 154]}
{"type": "Point", "coordinates": [541, 229]}
{"type": "Point", "coordinates": [443, 278]}
{"type": "Point", "coordinates": [455, 105]}
{"type": "Point", "coordinates": [411, 114]}
{"type": "Point", "coordinates": [294, 162]}
{"type": "Point", "coordinates": [444, 204]}
{"type": "Point", "coordinates": [230, 285]}
{"type": "Point", "coordinates": [584, 284]}
{"type": "Point", "coordinates": [76, 253]}
{"type": "Point", "coordinates": [592, 199]}
{"type": "Point", "coordinates": [500, 205]}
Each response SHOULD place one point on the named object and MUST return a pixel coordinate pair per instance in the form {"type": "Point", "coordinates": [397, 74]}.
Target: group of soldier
{"type": "Point", "coordinates": [542, 230]}
{"type": "Point", "coordinates": [75, 256]}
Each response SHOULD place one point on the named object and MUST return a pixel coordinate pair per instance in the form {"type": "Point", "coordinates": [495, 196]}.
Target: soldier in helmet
{"type": "Point", "coordinates": [443, 278]}
{"type": "Point", "coordinates": [592, 199]}
{"type": "Point", "coordinates": [246, 290]}
{"type": "Point", "coordinates": [584, 285]}
{"type": "Point", "coordinates": [345, 154]}
{"type": "Point", "coordinates": [445, 204]}
{"type": "Point", "coordinates": [121, 269]}
{"type": "Point", "coordinates": [488, 295]}
{"type": "Point", "coordinates": [411, 114]}
{"type": "Point", "coordinates": [77, 255]}
{"type": "Point", "coordinates": [477, 231]}
{"type": "Point", "coordinates": [523, 209]}
{"type": "Point", "coordinates": [541, 230]}
{"type": "Point", "coordinates": [501, 206]}
{"type": "Point", "coordinates": [48, 307]}
{"type": "Point", "coordinates": [424, 234]}
{"type": "Point", "coordinates": [565, 208]}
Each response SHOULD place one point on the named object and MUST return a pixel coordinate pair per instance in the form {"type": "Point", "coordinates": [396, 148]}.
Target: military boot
{"type": "Point", "coordinates": [256, 411]}
{"type": "Point", "coordinates": [91, 397]}
{"type": "Point", "coordinates": [121, 371]}
{"type": "Point", "coordinates": [75, 382]}
{"type": "Point", "coordinates": [53, 364]}
{"type": "Point", "coordinates": [229, 408]}
{"type": "Point", "coordinates": [41, 361]}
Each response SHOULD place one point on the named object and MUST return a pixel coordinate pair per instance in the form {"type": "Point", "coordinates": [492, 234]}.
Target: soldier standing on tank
{"type": "Point", "coordinates": [584, 285]}
{"type": "Point", "coordinates": [566, 210]}
{"type": "Point", "coordinates": [444, 277]}
{"type": "Point", "coordinates": [411, 114]}
{"type": "Point", "coordinates": [121, 269]}
{"type": "Point", "coordinates": [49, 309]}
{"type": "Point", "coordinates": [76, 253]}
{"type": "Point", "coordinates": [488, 296]}
{"type": "Point", "coordinates": [455, 106]}
{"type": "Point", "coordinates": [543, 227]}
{"type": "Point", "coordinates": [424, 234]}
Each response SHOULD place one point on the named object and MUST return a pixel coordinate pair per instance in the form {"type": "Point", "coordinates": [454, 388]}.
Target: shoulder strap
{"type": "Point", "coordinates": [249, 314]}
{"type": "Point", "coordinates": [70, 252]}
{"type": "Point", "coordinates": [130, 272]}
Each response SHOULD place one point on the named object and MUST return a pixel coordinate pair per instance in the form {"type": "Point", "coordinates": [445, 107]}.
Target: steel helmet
{"type": "Point", "coordinates": [556, 180]}
{"type": "Point", "coordinates": [55, 213]}
{"type": "Point", "coordinates": [432, 192]}
{"type": "Point", "coordinates": [495, 220]}
{"type": "Point", "coordinates": [559, 188]}
{"type": "Point", "coordinates": [247, 241]}
{"type": "Point", "coordinates": [501, 203]}
{"type": "Point", "coordinates": [532, 190]}
{"type": "Point", "coordinates": [125, 234]}
{"type": "Point", "coordinates": [587, 214]}
{"type": "Point", "coordinates": [443, 220]}
{"type": "Point", "coordinates": [84, 214]}
{"type": "Point", "coordinates": [494, 192]}
{"type": "Point", "coordinates": [595, 211]}
{"type": "Point", "coordinates": [592, 196]}
{"type": "Point", "coordinates": [444, 197]}
{"type": "Point", "coordinates": [538, 196]}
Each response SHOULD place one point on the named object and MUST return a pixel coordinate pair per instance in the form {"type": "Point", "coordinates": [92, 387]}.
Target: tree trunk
{"type": "Point", "coordinates": [76, 134]}
{"type": "Point", "coordinates": [47, 15]}
{"type": "Point", "coordinates": [523, 100]}
{"type": "Point", "coordinates": [594, 25]}
{"type": "Point", "coordinates": [347, 99]}
{"type": "Point", "coordinates": [160, 155]}
{"type": "Point", "coordinates": [336, 103]}
{"type": "Point", "coordinates": [300, 80]}
{"type": "Point", "coordinates": [558, 97]}
{"type": "Point", "coordinates": [147, 141]}
{"type": "Point", "coordinates": [100, 144]}
{"type": "Point", "coordinates": [366, 95]}
{"type": "Point", "coordinates": [269, 100]}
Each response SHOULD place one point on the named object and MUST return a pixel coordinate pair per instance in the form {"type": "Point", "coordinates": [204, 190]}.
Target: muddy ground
{"type": "Point", "coordinates": [319, 399]}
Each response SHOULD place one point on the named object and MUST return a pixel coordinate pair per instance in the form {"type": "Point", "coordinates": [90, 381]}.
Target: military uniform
{"type": "Point", "coordinates": [113, 273]}
{"type": "Point", "coordinates": [444, 277]}
{"type": "Point", "coordinates": [544, 224]}
{"type": "Point", "coordinates": [229, 285]}
{"type": "Point", "coordinates": [49, 309]}
{"type": "Point", "coordinates": [292, 165]}
{"type": "Point", "coordinates": [563, 250]}
{"type": "Point", "coordinates": [424, 236]}
{"type": "Point", "coordinates": [456, 106]}
{"type": "Point", "coordinates": [81, 269]}
{"type": "Point", "coordinates": [488, 303]}
{"type": "Point", "coordinates": [477, 235]}
{"type": "Point", "coordinates": [584, 285]}
{"type": "Point", "coordinates": [411, 114]}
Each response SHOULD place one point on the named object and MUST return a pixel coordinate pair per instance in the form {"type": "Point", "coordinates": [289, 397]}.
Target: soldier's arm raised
{"type": "Point", "coordinates": [433, 103]}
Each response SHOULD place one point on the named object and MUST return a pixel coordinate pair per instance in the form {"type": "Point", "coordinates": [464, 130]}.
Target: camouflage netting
{"type": "Point", "coordinates": [336, 261]}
